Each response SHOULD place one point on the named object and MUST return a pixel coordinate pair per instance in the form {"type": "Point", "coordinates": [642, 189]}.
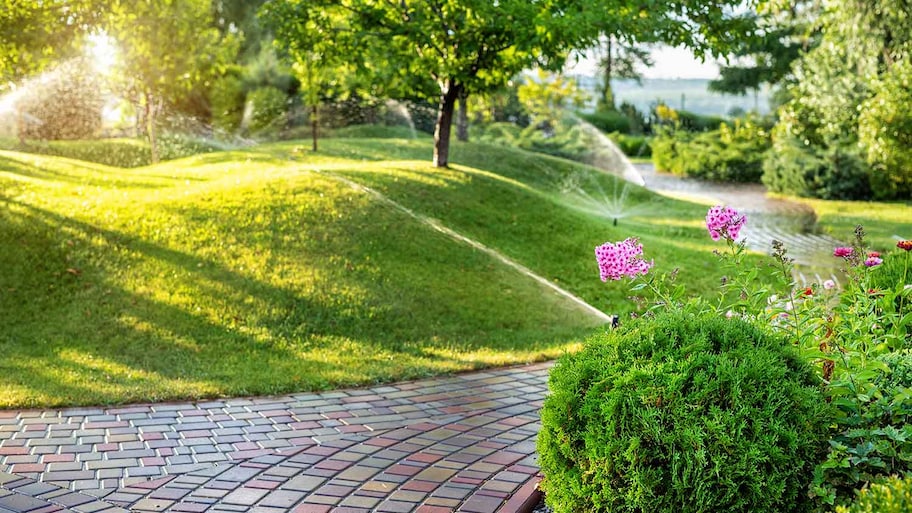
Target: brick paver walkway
{"type": "Point", "coordinates": [457, 443]}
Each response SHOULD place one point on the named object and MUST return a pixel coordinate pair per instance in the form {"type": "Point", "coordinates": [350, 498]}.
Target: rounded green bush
{"type": "Point", "coordinates": [892, 496]}
{"type": "Point", "coordinates": [682, 413]}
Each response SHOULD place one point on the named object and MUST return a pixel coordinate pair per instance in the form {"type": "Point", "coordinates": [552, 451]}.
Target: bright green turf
{"type": "Point", "coordinates": [256, 272]}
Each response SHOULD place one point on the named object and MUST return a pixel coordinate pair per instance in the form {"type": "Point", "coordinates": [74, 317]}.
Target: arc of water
{"type": "Point", "coordinates": [403, 112]}
{"type": "Point", "coordinates": [618, 163]}
{"type": "Point", "coordinates": [433, 223]}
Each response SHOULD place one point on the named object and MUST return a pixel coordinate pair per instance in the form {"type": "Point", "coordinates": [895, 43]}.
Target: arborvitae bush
{"type": "Point", "coordinates": [682, 413]}
{"type": "Point", "coordinates": [892, 496]}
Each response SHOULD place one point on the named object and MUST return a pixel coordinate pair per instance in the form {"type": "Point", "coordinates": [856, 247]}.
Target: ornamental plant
{"type": "Point", "coordinates": [850, 334]}
{"type": "Point", "coordinates": [682, 412]}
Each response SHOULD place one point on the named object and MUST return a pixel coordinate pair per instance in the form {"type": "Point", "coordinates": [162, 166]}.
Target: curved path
{"type": "Point", "coordinates": [456, 443]}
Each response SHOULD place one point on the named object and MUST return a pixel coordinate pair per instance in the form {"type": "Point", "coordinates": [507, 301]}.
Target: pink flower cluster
{"type": "Point", "coordinates": [724, 222]}
{"type": "Point", "coordinates": [843, 252]}
{"type": "Point", "coordinates": [619, 259]}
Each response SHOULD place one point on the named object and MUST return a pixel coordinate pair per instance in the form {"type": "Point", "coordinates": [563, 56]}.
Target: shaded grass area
{"type": "Point", "coordinates": [242, 273]}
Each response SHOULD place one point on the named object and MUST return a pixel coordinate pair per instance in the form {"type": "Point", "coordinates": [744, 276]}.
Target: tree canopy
{"type": "Point", "coordinates": [446, 49]}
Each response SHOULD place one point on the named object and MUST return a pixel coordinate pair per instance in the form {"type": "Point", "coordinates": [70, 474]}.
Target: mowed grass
{"type": "Point", "coordinates": [258, 272]}
{"type": "Point", "coordinates": [883, 222]}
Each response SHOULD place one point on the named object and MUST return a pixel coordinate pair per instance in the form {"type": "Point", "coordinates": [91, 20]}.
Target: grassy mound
{"type": "Point", "coordinates": [257, 271]}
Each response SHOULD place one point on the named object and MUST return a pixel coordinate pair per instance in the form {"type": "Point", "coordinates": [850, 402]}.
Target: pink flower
{"type": "Point", "coordinates": [619, 259]}
{"type": "Point", "coordinates": [843, 252]}
{"type": "Point", "coordinates": [829, 284]}
{"type": "Point", "coordinates": [724, 222]}
{"type": "Point", "coordinates": [729, 314]}
{"type": "Point", "coordinates": [873, 261]}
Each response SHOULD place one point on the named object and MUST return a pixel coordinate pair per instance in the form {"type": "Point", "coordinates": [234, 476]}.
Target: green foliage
{"type": "Point", "coordinates": [836, 172]}
{"type": "Point", "coordinates": [851, 87]}
{"type": "Point", "coordinates": [376, 132]}
{"type": "Point", "coordinates": [849, 336]}
{"type": "Point", "coordinates": [36, 34]}
{"type": "Point", "coordinates": [894, 495]}
{"type": "Point", "coordinates": [506, 134]}
{"type": "Point", "coordinates": [267, 107]}
{"type": "Point", "coordinates": [693, 122]}
{"type": "Point", "coordinates": [546, 96]}
{"type": "Point", "coordinates": [446, 50]}
{"type": "Point", "coordinates": [682, 413]}
{"type": "Point", "coordinates": [632, 145]}
{"type": "Point", "coordinates": [227, 98]}
{"type": "Point", "coordinates": [609, 121]}
{"type": "Point", "coordinates": [730, 154]}
{"type": "Point", "coordinates": [885, 132]}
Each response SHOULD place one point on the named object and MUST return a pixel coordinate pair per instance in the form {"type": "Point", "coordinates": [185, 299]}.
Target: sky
{"type": "Point", "coordinates": [670, 62]}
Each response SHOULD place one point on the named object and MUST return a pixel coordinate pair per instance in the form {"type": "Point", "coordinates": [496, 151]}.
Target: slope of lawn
{"type": "Point", "coordinates": [257, 272]}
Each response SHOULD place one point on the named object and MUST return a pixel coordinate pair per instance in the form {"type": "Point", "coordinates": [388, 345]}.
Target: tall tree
{"type": "Point", "coordinates": [446, 48]}
{"type": "Point", "coordinates": [619, 59]}
{"type": "Point", "coordinates": [167, 47]}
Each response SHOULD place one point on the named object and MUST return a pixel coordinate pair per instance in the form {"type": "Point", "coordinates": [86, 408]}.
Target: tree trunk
{"type": "Point", "coordinates": [607, 99]}
{"type": "Point", "coordinates": [314, 124]}
{"type": "Point", "coordinates": [150, 127]}
{"type": "Point", "coordinates": [444, 123]}
{"type": "Point", "coordinates": [462, 119]}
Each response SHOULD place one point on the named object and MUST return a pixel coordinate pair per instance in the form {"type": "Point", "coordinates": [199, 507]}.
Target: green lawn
{"type": "Point", "coordinates": [883, 222]}
{"type": "Point", "coordinates": [258, 272]}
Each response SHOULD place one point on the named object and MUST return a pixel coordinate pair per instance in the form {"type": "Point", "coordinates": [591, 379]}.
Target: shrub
{"type": "Point", "coordinates": [730, 154]}
{"type": "Point", "coordinates": [632, 145]}
{"type": "Point", "coordinates": [892, 496]}
{"type": "Point", "coordinates": [608, 121]}
{"type": "Point", "coordinates": [885, 131]}
{"type": "Point", "coordinates": [664, 150]}
{"type": "Point", "coordinates": [836, 172]}
{"type": "Point", "coordinates": [682, 413]}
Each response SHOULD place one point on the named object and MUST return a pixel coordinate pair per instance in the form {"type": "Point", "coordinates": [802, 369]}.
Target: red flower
{"type": "Point", "coordinates": [904, 244]}
{"type": "Point", "coordinates": [873, 254]}
{"type": "Point", "coordinates": [808, 292]}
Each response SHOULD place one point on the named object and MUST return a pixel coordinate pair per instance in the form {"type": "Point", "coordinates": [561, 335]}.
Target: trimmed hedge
{"type": "Point", "coordinates": [682, 413]}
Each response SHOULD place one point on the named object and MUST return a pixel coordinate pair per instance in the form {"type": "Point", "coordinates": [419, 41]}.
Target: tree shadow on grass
{"type": "Point", "coordinates": [82, 175]}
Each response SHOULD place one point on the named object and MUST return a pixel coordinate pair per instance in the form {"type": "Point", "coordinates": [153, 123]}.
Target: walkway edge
{"type": "Point", "coordinates": [525, 499]}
